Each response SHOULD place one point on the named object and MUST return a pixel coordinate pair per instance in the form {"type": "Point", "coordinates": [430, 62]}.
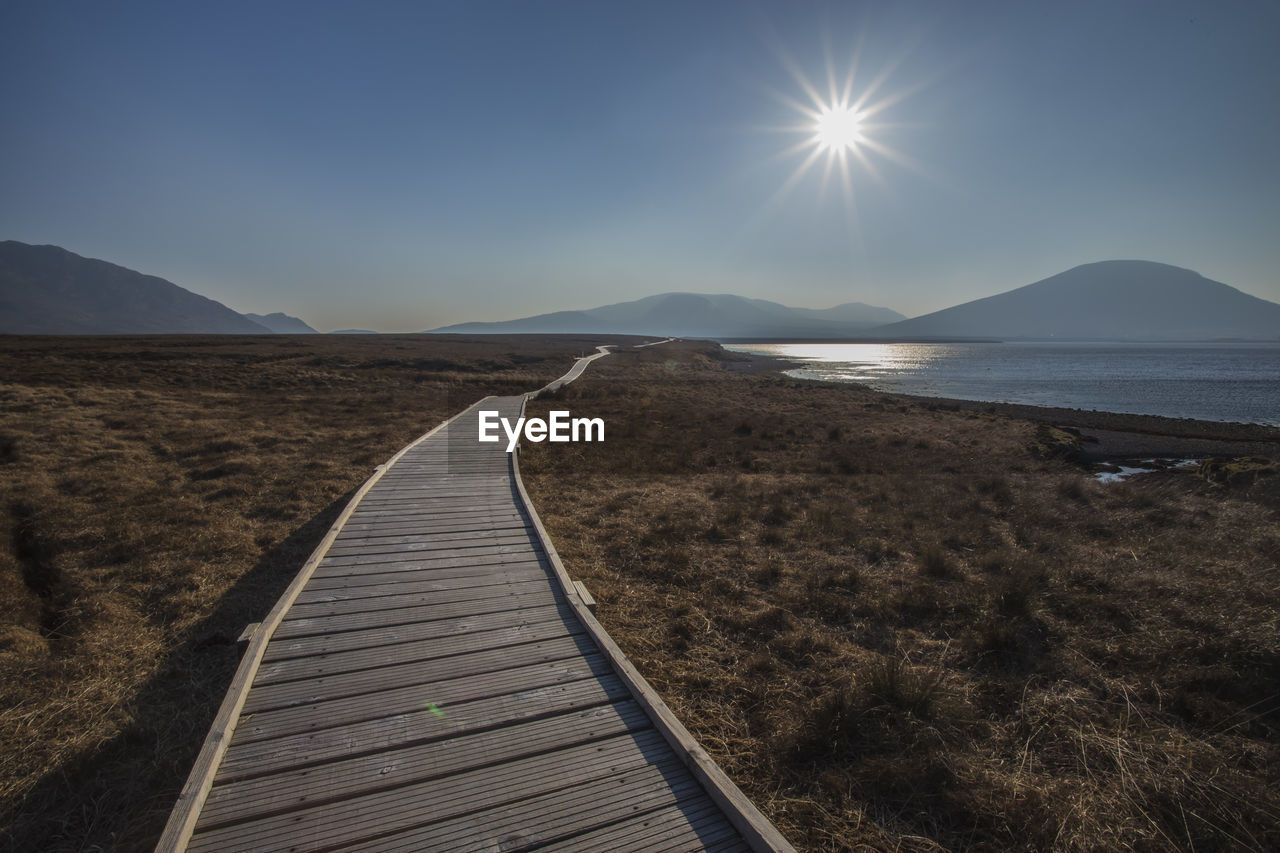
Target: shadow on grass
{"type": "Point", "coordinates": [118, 797]}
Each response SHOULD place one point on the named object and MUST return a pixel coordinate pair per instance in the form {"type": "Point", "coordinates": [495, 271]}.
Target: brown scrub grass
{"type": "Point", "coordinates": [903, 625]}
{"type": "Point", "coordinates": [157, 494]}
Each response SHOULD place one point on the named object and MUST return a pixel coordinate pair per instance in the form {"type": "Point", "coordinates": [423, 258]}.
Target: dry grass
{"type": "Point", "coordinates": [904, 625]}
{"type": "Point", "coordinates": [158, 495]}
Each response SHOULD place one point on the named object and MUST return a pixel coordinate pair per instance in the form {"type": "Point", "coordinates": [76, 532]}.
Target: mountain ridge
{"type": "Point", "coordinates": [282, 324]}
{"type": "Point", "coordinates": [1116, 300]}
{"type": "Point", "coordinates": [683, 314]}
{"type": "Point", "coordinates": [50, 290]}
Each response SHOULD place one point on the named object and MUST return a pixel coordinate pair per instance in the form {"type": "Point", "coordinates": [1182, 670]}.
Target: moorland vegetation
{"type": "Point", "coordinates": [906, 624]}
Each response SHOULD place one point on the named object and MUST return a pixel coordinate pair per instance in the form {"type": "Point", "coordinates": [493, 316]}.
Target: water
{"type": "Point", "coordinates": [1216, 382]}
{"type": "Point", "coordinates": [1112, 473]}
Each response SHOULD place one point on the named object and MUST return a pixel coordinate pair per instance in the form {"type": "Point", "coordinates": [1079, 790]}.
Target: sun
{"type": "Point", "coordinates": [839, 128]}
{"type": "Point", "coordinates": [844, 127]}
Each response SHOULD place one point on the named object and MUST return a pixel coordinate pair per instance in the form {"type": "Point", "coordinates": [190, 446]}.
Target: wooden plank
{"type": "Point", "coordinates": [365, 515]}
{"type": "Point", "coordinates": [425, 542]}
{"type": "Point", "coordinates": [430, 522]}
{"type": "Point", "coordinates": [318, 666]}
{"type": "Point", "coordinates": [505, 545]}
{"type": "Point", "coordinates": [453, 498]}
{"type": "Point", "coordinates": [416, 615]}
{"type": "Point", "coordinates": [403, 699]}
{"type": "Point", "coordinates": [435, 520]}
{"type": "Point", "coordinates": [500, 555]}
{"type": "Point", "coordinates": [333, 602]}
{"type": "Point", "coordinates": [427, 485]}
{"type": "Point", "coordinates": [547, 819]}
{"type": "Point", "coordinates": [669, 825]}
{"type": "Point", "coordinates": [585, 596]}
{"type": "Point", "coordinates": [422, 725]}
{"type": "Point", "coordinates": [321, 586]}
{"type": "Point", "coordinates": [422, 582]}
{"type": "Point", "coordinates": [471, 498]}
{"type": "Point", "coordinates": [389, 635]}
{"type": "Point", "coordinates": [444, 532]}
{"type": "Point", "coordinates": [266, 697]}
{"type": "Point", "coordinates": [293, 789]}
{"type": "Point", "coordinates": [247, 633]}
{"type": "Point", "coordinates": [328, 610]}
{"type": "Point", "coordinates": [492, 521]}
{"type": "Point", "coordinates": [348, 821]}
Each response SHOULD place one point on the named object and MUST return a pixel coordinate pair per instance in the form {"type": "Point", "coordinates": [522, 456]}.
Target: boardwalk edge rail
{"type": "Point", "coordinates": [186, 811]}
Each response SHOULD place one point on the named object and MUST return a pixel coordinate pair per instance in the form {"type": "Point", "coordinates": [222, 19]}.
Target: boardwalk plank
{"type": "Point", "coordinates": [414, 545]}
{"type": "Point", "coordinates": [371, 659]}
{"type": "Point", "coordinates": [293, 789]}
{"type": "Point", "coordinates": [476, 559]}
{"type": "Point", "coordinates": [545, 819]}
{"type": "Point", "coordinates": [389, 528]}
{"type": "Point", "coordinates": [424, 582]}
{"type": "Point", "coordinates": [389, 635]}
{"type": "Point", "coordinates": [671, 824]}
{"type": "Point", "coordinates": [414, 697]}
{"type": "Point", "coordinates": [410, 615]}
{"type": "Point", "coordinates": [504, 545]}
{"type": "Point", "coordinates": [321, 586]}
{"type": "Point", "coordinates": [267, 697]}
{"type": "Point", "coordinates": [342, 823]}
{"type": "Point", "coordinates": [258, 758]}
{"type": "Point", "coordinates": [331, 612]}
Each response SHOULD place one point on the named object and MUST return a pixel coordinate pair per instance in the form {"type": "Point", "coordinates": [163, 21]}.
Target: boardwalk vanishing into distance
{"type": "Point", "coordinates": [432, 680]}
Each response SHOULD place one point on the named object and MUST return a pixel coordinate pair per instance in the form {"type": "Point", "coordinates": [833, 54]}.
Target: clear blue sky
{"type": "Point", "coordinates": [399, 166]}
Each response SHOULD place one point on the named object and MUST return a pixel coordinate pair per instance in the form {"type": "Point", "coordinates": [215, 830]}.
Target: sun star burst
{"type": "Point", "coordinates": [838, 128]}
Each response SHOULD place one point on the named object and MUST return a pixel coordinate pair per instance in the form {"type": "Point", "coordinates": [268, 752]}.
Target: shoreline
{"type": "Point", "coordinates": [1106, 435]}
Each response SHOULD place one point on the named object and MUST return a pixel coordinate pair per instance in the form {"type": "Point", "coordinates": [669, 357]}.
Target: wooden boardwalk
{"type": "Point", "coordinates": [434, 681]}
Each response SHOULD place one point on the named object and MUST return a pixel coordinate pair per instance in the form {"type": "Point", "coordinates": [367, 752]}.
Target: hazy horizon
{"type": "Point", "coordinates": [404, 166]}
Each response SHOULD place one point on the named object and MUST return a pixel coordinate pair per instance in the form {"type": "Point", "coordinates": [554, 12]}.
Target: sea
{"type": "Point", "coordinates": [1237, 382]}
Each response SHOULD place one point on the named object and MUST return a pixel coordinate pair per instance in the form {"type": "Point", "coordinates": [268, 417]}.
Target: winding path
{"type": "Point", "coordinates": [433, 680]}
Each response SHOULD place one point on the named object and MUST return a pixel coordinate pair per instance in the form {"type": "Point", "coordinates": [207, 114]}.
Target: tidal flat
{"type": "Point", "coordinates": [918, 624]}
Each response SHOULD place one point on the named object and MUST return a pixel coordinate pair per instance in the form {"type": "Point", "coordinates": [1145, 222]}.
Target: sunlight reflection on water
{"type": "Point", "coordinates": [1227, 382]}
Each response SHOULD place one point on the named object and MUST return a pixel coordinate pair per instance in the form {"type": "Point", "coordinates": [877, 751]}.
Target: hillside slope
{"type": "Point", "coordinates": [46, 290]}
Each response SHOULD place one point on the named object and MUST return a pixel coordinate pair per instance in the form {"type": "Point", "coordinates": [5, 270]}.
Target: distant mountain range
{"type": "Point", "coordinates": [697, 315]}
{"type": "Point", "coordinates": [1110, 300]}
{"type": "Point", "coordinates": [46, 290]}
{"type": "Point", "coordinates": [282, 324]}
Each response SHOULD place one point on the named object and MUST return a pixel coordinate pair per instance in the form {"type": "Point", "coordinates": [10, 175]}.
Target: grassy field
{"type": "Point", "coordinates": [911, 625]}
{"type": "Point", "coordinates": [158, 494]}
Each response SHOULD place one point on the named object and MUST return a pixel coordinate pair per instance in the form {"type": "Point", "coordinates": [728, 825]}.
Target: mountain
{"type": "Point", "coordinates": [46, 290]}
{"type": "Point", "coordinates": [1110, 300]}
{"type": "Point", "coordinates": [858, 313]}
{"type": "Point", "coordinates": [282, 324]}
{"type": "Point", "coordinates": [697, 315]}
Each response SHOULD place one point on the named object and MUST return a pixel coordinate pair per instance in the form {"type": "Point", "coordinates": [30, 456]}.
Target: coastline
{"type": "Point", "coordinates": [1105, 436]}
